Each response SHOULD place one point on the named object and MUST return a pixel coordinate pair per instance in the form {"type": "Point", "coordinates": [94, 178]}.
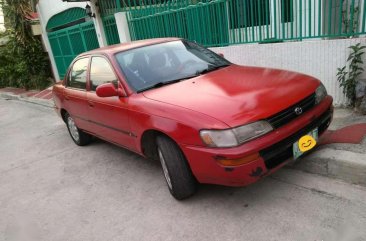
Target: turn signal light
{"type": "Point", "coordinates": [238, 162]}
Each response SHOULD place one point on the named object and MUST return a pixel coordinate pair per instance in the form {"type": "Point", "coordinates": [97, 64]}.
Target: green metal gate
{"type": "Point", "coordinates": [67, 43]}
{"type": "Point", "coordinates": [110, 29]}
{"type": "Point", "coordinates": [204, 22]}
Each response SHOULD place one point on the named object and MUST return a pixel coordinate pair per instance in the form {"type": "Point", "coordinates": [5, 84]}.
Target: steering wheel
{"type": "Point", "coordinates": [186, 63]}
{"type": "Point", "coordinates": [136, 81]}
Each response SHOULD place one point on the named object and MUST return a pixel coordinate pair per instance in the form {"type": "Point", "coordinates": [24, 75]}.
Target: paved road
{"type": "Point", "coordinates": [51, 189]}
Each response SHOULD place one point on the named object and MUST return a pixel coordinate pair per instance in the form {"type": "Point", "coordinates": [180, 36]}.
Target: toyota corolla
{"type": "Point", "coordinates": [205, 119]}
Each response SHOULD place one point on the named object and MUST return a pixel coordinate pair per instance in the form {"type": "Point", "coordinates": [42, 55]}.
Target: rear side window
{"type": "Point", "coordinates": [77, 78]}
{"type": "Point", "coordinates": [101, 72]}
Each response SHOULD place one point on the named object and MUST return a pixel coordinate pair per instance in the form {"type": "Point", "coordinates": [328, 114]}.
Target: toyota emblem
{"type": "Point", "coordinates": [298, 110]}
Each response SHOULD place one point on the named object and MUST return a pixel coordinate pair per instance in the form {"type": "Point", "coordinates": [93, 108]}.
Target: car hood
{"type": "Point", "coordinates": [237, 95]}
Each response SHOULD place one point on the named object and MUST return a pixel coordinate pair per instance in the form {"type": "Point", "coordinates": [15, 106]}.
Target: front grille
{"type": "Point", "coordinates": [282, 151]}
{"type": "Point", "coordinates": [289, 114]}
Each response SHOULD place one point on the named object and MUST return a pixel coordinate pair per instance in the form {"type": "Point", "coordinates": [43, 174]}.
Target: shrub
{"type": "Point", "coordinates": [348, 75]}
{"type": "Point", "coordinates": [23, 63]}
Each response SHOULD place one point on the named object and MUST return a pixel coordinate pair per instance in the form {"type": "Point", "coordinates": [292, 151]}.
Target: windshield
{"type": "Point", "coordinates": [157, 65]}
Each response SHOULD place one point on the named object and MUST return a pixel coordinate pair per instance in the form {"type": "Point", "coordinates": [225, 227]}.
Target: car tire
{"type": "Point", "coordinates": [177, 173]}
{"type": "Point", "coordinates": [78, 136]}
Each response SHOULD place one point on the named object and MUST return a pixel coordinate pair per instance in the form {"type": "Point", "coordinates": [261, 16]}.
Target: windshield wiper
{"type": "Point", "coordinates": [210, 69]}
{"type": "Point", "coordinates": [160, 84]}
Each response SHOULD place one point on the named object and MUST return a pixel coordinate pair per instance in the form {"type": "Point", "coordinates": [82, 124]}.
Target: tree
{"type": "Point", "coordinates": [26, 64]}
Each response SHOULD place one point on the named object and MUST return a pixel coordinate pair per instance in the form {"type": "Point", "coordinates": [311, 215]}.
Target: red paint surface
{"type": "Point", "coordinates": [31, 93]}
{"type": "Point", "coordinates": [15, 91]}
{"type": "Point", "coordinates": [32, 16]}
{"type": "Point", "coordinates": [44, 94]}
{"type": "Point", "coordinates": [221, 99]}
{"type": "Point", "coordinates": [352, 134]}
{"type": "Point", "coordinates": [244, 94]}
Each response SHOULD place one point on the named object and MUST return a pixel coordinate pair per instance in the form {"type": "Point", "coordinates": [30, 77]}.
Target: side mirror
{"type": "Point", "coordinates": [108, 90]}
{"type": "Point", "coordinates": [221, 54]}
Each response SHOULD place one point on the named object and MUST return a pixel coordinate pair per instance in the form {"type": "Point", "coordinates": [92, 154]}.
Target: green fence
{"type": "Point", "coordinates": [278, 20]}
{"type": "Point", "coordinates": [206, 23]}
{"type": "Point", "coordinates": [226, 22]}
{"type": "Point", "coordinates": [140, 8]}
{"type": "Point", "coordinates": [110, 29]}
{"type": "Point", "coordinates": [67, 43]}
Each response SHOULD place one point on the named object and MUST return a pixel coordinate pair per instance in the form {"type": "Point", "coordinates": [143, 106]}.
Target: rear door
{"type": "Point", "coordinates": [108, 115]}
{"type": "Point", "coordinates": [75, 93]}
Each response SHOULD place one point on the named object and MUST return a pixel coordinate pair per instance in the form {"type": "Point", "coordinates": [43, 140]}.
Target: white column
{"type": "Point", "coordinates": [98, 23]}
{"type": "Point", "coordinates": [47, 44]}
{"type": "Point", "coordinates": [122, 27]}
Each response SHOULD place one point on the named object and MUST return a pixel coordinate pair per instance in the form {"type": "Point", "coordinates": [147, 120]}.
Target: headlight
{"type": "Point", "coordinates": [235, 136]}
{"type": "Point", "coordinates": [320, 93]}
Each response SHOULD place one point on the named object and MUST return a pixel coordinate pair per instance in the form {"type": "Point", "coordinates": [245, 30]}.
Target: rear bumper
{"type": "Point", "coordinates": [275, 148]}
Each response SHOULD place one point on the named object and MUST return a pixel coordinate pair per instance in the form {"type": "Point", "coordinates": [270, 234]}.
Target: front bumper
{"type": "Point", "coordinates": [275, 148]}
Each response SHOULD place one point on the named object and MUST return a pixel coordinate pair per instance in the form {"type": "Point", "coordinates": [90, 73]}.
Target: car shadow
{"type": "Point", "coordinates": [144, 169]}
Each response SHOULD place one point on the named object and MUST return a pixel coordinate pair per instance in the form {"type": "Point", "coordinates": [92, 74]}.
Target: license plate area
{"type": "Point", "coordinates": [305, 143]}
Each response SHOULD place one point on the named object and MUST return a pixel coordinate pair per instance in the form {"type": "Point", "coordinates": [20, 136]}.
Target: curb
{"type": "Point", "coordinates": [341, 164]}
{"type": "Point", "coordinates": [37, 101]}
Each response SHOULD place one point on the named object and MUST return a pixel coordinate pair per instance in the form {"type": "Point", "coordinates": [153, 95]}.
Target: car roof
{"type": "Point", "coordinates": [126, 46]}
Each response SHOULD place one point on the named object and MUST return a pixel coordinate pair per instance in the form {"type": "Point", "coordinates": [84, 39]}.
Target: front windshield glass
{"type": "Point", "coordinates": [160, 64]}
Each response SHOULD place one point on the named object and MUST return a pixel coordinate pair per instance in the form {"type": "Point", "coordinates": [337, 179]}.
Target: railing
{"type": "Point", "coordinates": [226, 22]}
{"type": "Point", "coordinates": [110, 29]}
{"type": "Point", "coordinates": [278, 20]}
{"type": "Point", "coordinates": [205, 22]}
{"type": "Point", "coordinates": [140, 8]}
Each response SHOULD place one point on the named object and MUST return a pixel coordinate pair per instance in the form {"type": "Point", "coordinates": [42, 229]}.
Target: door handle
{"type": "Point", "coordinates": [91, 104]}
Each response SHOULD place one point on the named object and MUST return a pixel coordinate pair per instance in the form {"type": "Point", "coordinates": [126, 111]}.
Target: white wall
{"type": "Point", "coordinates": [319, 58]}
{"type": "Point", "coordinates": [48, 8]}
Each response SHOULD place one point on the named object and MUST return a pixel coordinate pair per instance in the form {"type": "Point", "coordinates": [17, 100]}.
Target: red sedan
{"type": "Point", "coordinates": [205, 119]}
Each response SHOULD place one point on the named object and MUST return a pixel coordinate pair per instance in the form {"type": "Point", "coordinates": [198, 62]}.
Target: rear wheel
{"type": "Point", "coordinates": [178, 175]}
{"type": "Point", "coordinates": [78, 136]}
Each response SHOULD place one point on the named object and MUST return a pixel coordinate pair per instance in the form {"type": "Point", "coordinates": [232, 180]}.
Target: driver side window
{"type": "Point", "coordinates": [77, 77]}
{"type": "Point", "coordinates": [101, 72]}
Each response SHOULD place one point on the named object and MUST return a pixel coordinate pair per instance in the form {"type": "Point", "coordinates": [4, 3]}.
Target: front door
{"type": "Point", "coordinates": [75, 93]}
{"type": "Point", "coordinates": [108, 115]}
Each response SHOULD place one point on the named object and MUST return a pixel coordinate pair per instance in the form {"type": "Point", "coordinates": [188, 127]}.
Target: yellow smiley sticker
{"type": "Point", "coordinates": [306, 143]}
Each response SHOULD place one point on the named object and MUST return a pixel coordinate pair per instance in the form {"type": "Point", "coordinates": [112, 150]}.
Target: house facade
{"type": "Point", "coordinates": [270, 33]}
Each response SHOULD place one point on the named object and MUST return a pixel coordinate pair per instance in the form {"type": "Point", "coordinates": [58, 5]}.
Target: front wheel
{"type": "Point", "coordinates": [78, 136]}
{"type": "Point", "coordinates": [178, 175]}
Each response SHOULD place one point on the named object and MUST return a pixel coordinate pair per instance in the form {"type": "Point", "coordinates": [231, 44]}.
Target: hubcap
{"type": "Point", "coordinates": [73, 129]}
{"type": "Point", "coordinates": [165, 169]}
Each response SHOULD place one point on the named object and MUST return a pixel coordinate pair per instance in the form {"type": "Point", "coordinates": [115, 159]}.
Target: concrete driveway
{"type": "Point", "coordinates": [51, 189]}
